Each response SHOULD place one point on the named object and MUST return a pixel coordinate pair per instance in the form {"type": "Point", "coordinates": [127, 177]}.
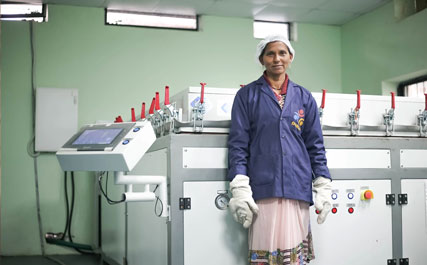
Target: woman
{"type": "Point", "coordinates": [276, 159]}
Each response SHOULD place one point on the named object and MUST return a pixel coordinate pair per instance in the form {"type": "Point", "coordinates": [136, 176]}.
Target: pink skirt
{"type": "Point", "coordinates": [280, 233]}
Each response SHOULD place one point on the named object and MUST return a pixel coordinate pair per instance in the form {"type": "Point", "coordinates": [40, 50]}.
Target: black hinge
{"type": "Point", "coordinates": [391, 262]}
{"type": "Point", "coordinates": [403, 198]}
{"type": "Point", "coordinates": [390, 199]}
{"type": "Point", "coordinates": [404, 261]}
{"type": "Point", "coordinates": [184, 203]}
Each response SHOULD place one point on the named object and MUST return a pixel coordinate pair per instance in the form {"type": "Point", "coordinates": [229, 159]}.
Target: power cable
{"type": "Point", "coordinates": [31, 145]}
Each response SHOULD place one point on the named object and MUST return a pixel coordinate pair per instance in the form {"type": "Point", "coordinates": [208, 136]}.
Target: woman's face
{"type": "Point", "coordinates": [276, 58]}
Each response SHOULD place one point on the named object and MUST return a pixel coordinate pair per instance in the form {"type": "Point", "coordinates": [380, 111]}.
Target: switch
{"type": "Point", "coordinates": [366, 195]}
{"type": "Point", "coordinates": [334, 196]}
{"type": "Point", "coordinates": [351, 210]}
{"type": "Point", "coordinates": [350, 195]}
{"type": "Point", "coordinates": [334, 210]}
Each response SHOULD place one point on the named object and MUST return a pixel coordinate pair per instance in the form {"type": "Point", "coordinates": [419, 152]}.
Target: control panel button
{"type": "Point", "coordinates": [317, 211]}
{"type": "Point", "coordinates": [334, 196]}
{"type": "Point", "coordinates": [350, 195]}
{"type": "Point", "coordinates": [367, 195]}
{"type": "Point", "coordinates": [125, 142]}
{"type": "Point", "coordinates": [136, 129]}
{"type": "Point", "coordinates": [351, 210]}
{"type": "Point", "coordinates": [334, 210]}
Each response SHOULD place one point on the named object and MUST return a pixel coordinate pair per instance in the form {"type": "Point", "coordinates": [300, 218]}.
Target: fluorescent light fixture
{"type": "Point", "coordinates": [142, 19]}
{"type": "Point", "coordinates": [20, 12]}
{"type": "Point", "coordinates": [265, 28]}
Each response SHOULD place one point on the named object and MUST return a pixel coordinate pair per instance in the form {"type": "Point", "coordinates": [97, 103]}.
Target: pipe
{"type": "Point", "coordinates": [121, 179]}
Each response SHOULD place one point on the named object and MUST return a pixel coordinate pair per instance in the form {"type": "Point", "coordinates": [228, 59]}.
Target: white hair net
{"type": "Point", "coordinates": [272, 38]}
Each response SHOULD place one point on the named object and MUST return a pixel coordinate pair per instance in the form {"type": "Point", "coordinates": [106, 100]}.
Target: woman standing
{"type": "Point", "coordinates": [276, 159]}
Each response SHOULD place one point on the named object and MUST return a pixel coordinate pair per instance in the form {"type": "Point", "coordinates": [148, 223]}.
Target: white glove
{"type": "Point", "coordinates": [242, 205]}
{"type": "Point", "coordinates": [323, 201]}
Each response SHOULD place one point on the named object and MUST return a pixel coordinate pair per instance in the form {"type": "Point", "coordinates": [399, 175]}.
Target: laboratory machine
{"type": "Point", "coordinates": [376, 148]}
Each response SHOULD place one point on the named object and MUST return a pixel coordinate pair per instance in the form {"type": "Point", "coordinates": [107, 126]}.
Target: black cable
{"type": "Point", "coordinates": [70, 213]}
{"type": "Point", "coordinates": [106, 185]}
{"type": "Point", "coordinates": [67, 205]}
{"type": "Point", "coordinates": [110, 201]}
{"type": "Point", "coordinates": [72, 207]}
{"type": "Point", "coordinates": [155, 207]}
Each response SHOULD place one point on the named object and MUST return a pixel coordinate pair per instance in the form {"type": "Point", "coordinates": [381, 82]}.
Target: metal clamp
{"type": "Point", "coordinates": [197, 117]}
{"type": "Point", "coordinates": [389, 117]}
{"type": "Point", "coordinates": [422, 123]}
{"type": "Point", "coordinates": [353, 121]}
{"type": "Point", "coordinates": [354, 117]}
{"type": "Point", "coordinates": [199, 111]}
{"type": "Point", "coordinates": [169, 116]}
{"type": "Point", "coordinates": [389, 122]}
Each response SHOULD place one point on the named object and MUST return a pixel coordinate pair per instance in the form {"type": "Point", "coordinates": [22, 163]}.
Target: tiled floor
{"type": "Point", "coordinates": [63, 260]}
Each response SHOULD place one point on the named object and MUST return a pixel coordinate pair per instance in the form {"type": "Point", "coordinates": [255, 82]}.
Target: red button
{"type": "Point", "coordinates": [317, 211]}
{"type": "Point", "coordinates": [334, 210]}
{"type": "Point", "coordinates": [368, 194]}
{"type": "Point", "coordinates": [351, 210]}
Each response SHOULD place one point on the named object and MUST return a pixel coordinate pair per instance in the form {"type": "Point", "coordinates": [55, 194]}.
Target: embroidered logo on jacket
{"type": "Point", "coordinates": [298, 119]}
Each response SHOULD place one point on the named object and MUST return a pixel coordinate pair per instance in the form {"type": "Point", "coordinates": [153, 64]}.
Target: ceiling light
{"type": "Point", "coordinates": [141, 19]}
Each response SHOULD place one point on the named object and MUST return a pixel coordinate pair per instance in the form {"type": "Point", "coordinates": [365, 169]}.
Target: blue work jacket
{"type": "Point", "coordinates": [280, 150]}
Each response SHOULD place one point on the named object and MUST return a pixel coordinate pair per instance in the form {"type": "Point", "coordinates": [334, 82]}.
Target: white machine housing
{"type": "Point", "coordinates": [121, 154]}
{"type": "Point", "coordinates": [335, 114]}
{"type": "Point", "coordinates": [218, 102]}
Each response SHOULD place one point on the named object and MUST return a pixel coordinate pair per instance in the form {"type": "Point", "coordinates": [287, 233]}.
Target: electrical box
{"type": "Point", "coordinates": [56, 117]}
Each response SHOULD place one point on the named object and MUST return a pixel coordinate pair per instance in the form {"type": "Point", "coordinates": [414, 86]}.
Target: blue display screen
{"type": "Point", "coordinates": [97, 136]}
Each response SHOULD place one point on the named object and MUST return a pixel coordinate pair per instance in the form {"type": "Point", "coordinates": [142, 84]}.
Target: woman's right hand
{"type": "Point", "coordinates": [242, 205]}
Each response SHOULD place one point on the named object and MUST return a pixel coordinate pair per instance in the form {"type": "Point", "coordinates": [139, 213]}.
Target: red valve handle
{"type": "Point", "coordinates": [119, 119]}
{"type": "Point", "coordinates": [202, 93]}
{"type": "Point", "coordinates": [358, 100]}
{"type": "Point", "coordinates": [425, 101]}
{"type": "Point", "coordinates": [143, 111]}
{"type": "Point", "coordinates": [323, 98]}
{"type": "Point", "coordinates": [167, 95]}
{"type": "Point", "coordinates": [393, 103]}
{"type": "Point", "coordinates": [242, 86]}
{"type": "Point", "coordinates": [157, 105]}
{"type": "Point", "coordinates": [153, 102]}
{"type": "Point", "coordinates": [132, 111]}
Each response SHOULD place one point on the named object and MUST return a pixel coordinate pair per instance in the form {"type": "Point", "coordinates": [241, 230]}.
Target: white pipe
{"type": "Point", "coordinates": [121, 179]}
{"type": "Point", "coordinates": [139, 196]}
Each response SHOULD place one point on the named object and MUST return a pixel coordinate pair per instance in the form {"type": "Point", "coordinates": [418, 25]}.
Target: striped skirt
{"type": "Point", "coordinates": [280, 233]}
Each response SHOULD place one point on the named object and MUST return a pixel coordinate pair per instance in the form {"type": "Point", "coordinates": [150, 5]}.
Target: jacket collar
{"type": "Point", "coordinates": [265, 88]}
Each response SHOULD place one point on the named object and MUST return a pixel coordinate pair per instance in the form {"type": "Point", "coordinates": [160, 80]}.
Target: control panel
{"type": "Point", "coordinates": [360, 214]}
{"type": "Point", "coordinates": [107, 147]}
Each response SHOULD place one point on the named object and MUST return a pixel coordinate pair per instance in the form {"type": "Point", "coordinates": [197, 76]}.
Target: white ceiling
{"type": "Point", "coordinates": [330, 12]}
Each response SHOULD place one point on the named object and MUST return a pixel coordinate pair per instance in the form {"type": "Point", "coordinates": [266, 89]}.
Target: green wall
{"type": "Point", "coordinates": [378, 48]}
{"type": "Point", "coordinates": [114, 69]}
